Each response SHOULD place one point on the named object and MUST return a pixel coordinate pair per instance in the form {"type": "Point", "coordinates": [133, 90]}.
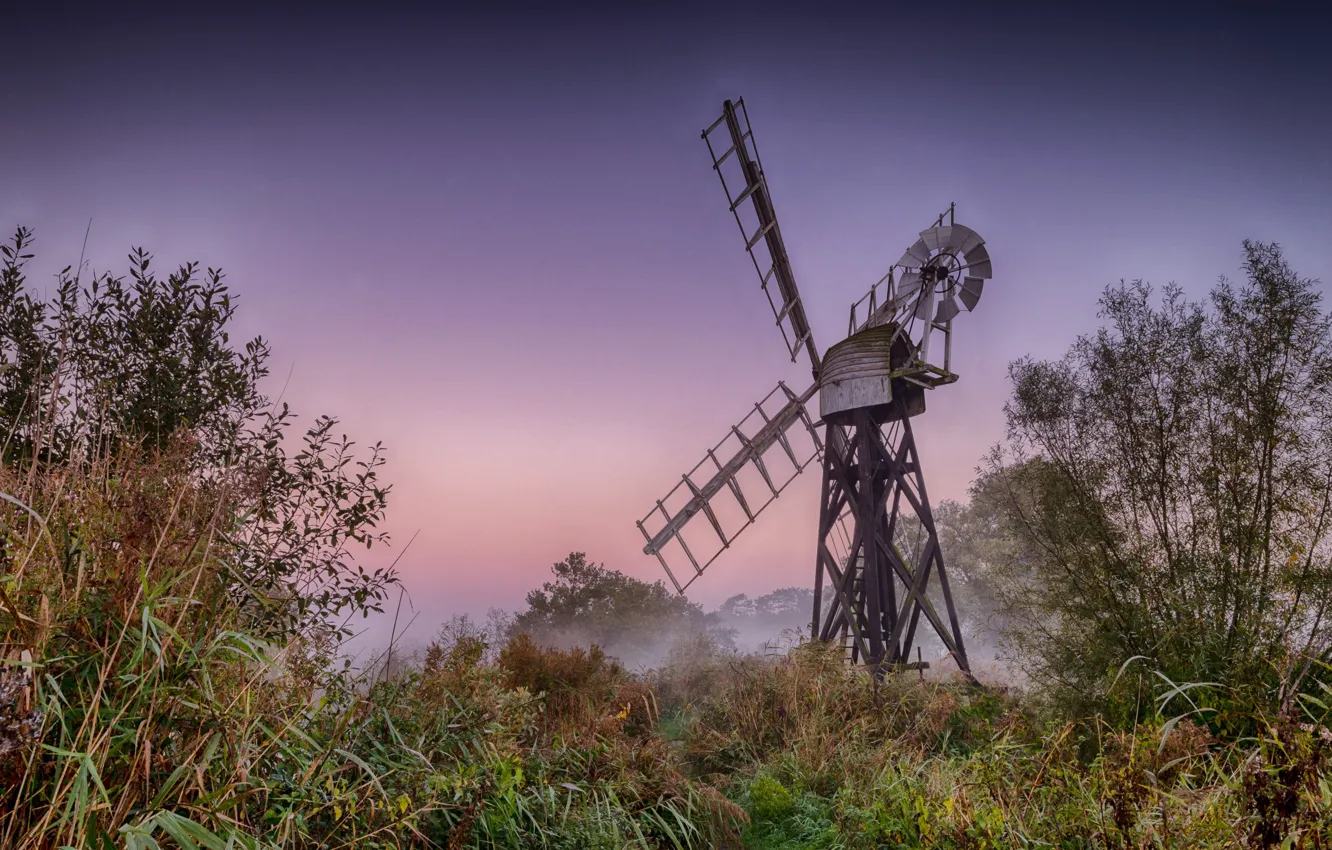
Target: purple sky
{"type": "Point", "coordinates": [496, 243]}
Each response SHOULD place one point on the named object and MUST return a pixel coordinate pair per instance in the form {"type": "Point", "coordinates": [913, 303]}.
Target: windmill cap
{"type": "Point", "coordinates": [857, 375]}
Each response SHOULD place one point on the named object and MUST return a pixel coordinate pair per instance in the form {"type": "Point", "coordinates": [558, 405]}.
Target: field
{"type": "Point", "coordinates": [145, 714]}
{"type": "Point", "coordinates": [178, 570]}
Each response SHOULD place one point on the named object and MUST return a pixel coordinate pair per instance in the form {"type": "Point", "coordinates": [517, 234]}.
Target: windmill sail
{"type": "Point", "coordinates": [745, 472]}
{"type": "Point", "coordinates": [754, 213]}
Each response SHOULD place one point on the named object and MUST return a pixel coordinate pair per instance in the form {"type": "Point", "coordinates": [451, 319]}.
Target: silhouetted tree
{"type": "Point", "coordinates": [589, 604]}
{"type": "Point", "coordinates": [1168, 483]}
{"type": "Point", "coordinates": [110, 363]}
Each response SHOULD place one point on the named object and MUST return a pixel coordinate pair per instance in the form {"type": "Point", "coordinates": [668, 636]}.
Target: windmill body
{"type": "Point", "coordinates": [872, 589]}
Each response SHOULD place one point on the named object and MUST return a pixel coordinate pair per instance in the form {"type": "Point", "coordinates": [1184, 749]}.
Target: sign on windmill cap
{"type": "Point", "coordinates": [857, 375]}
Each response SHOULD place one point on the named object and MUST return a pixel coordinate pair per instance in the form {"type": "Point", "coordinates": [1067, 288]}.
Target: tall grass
{"type": "Point", "coordinates": [161, 717]}
{"type": "Point", "coordinates": [821, 756]}
{"type": "Point", "coordinates": [140, 709]}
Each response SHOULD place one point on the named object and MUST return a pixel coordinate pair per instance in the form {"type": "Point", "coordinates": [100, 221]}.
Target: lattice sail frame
{"type": "Point", "coordinates": [763, 454]}
{"type": "Point", "coordinates": [757, 220]}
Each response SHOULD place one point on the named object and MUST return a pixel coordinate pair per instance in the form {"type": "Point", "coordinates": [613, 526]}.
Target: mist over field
{"type": "Point", "coordinates": [361, 366]}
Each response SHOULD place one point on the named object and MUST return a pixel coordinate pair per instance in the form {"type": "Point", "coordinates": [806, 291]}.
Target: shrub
{"type": "Point", "coordinates": [769, 799]}
{"type": "Point", "coordinates": [1168, 484]}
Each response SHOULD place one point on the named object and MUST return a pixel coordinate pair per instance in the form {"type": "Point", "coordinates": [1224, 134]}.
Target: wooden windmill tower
{"type": "Point", "coordinates": [870, 386]}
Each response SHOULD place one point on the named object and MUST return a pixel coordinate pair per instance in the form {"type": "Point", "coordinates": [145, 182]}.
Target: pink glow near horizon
{"type": "Point", "coordinates": [548, 320]}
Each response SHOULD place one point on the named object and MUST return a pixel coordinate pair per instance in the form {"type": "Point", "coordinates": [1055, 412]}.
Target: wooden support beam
{"type": "Point", "coordinates": [873, 474]}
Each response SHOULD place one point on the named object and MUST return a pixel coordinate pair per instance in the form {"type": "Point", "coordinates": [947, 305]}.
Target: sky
{"type": "Point", "coordinates": [493, 240]}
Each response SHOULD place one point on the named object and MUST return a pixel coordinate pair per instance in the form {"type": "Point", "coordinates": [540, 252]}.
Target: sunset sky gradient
{"type": "Point", "coordinates": [494, 241]}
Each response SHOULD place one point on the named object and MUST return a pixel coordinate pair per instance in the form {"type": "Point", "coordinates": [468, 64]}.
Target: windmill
{"type": "Point", "coordinates": [877, 557]}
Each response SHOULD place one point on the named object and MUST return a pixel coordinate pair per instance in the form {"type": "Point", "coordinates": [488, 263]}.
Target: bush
{"type": "Point", "coordinates": [1168, 483]}
{"type": "Point", "coordinates": [769, 799]}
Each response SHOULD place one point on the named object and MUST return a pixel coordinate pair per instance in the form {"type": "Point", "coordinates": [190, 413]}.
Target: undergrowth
{"type": "Point", "coordinates": [174, 591]}
{"type": "Point", "coordinates": [820, 756]}
{"type": "Point", "coordinates": [137, 710]}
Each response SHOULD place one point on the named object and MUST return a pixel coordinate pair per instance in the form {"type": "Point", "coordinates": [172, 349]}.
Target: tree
{"type": "Point", "coordinates": [784, 607]}
{"type": "Point", "coordinates": [779, 617]}
{"type": "Point", "coordinates": [976, 540]}
{"type": "Point", "coordinates": [110, 366]}
{"type": "Point", "coordinates": [632, 619]}
{"type": "Point", "coordinates": [1168, 483]}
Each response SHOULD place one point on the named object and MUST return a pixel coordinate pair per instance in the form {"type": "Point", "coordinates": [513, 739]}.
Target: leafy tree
{"type": "Point", "coordinates": [113, 364]}
{"type": "Point", "coordinates": [1168, 485]}
{"type": "Point", "coordinates": [109, 360]}
{"type": "Point", "coordinates": [785, 607]}
{"type": "Point", "coordinates": [771, 620]}
{"type": "Point", "coordinates": [589, 604]}
{"type": "Point", "coordinates": [975, 538]}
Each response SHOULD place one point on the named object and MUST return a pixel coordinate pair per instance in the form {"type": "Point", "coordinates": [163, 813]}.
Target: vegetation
{"type": "Point", "coordinates": [150, 713]}
{"type": "Point", "coordinates": [588, 604]}
{"type": "Point", "coordinates": [108, 360]}
{"type": "Point", "coordinates": [178, 568]}
{"type": "Point", "coordinates": [771, 621]}
{"type": "Point", "coordinates": [1168, 486]}
{"type": "Point", "coordinates": [820, 757]}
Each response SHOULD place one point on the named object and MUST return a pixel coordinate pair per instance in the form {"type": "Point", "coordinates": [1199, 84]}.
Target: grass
{"type": "Point", "coordinates": [140, 708]}
{"type": "Point", "coordinates": [823, 757]}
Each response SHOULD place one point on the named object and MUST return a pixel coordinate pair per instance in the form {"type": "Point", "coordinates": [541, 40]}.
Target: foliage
{"type": "Point", "coordinates": [163, 722]}
{"type": "Point", "coordinates": [577, 683]}
{"type": "Point", "coordinates": [157, 708]}
{"type": "Point", "coordinates": [589, 604]}
{"type": "Point", "coordinates": [771, 621]}
{"type": "Point", "coordinates": [769, 799]}
{"type": "Point", "coordinates": [156, 714]}
{"type": "Point", "coordinates": [300, 519]}
{"type": "Point", "coordinates": [976, 536]}
{"type": "Point", "coordinates": [823, 756]}
{"type": "Point", "coordinates": [111, 365]}
{"type": "Point", "coordinates": [690, 672]}
{"type": "Point", "coordinates": [173, 584]}
{"type": "Point", "coordinates": [1169, 481]}
{"type": "Point", "coordinates": [108, 360]}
